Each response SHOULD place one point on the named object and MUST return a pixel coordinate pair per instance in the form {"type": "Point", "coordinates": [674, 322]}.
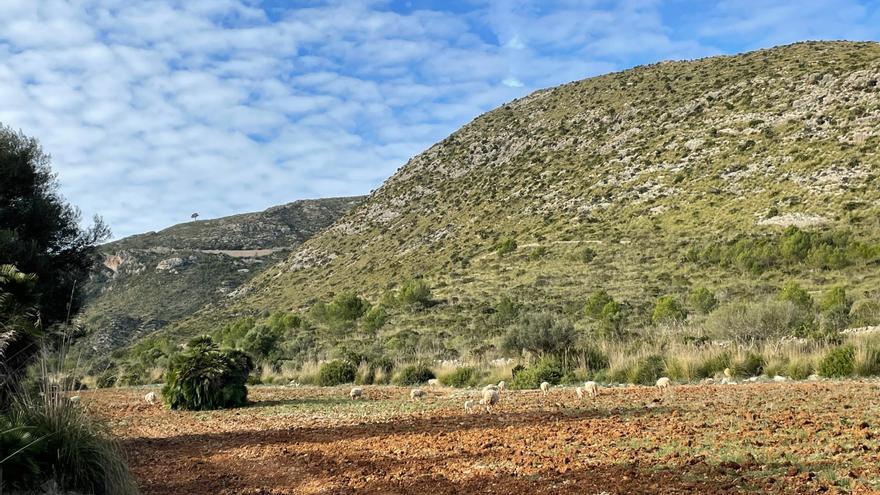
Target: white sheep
{"type": "Point", "coordinates": [728, 373]}
{"type": "Point", "coordinates": [150, 398]}
{"type": "Point", "coordinates": [579, 392]}
{"type": "Point", "coordinates": [433, 382]}
{"type": "Point", "coordinates": [663, 383]}
{"type": "Point", "coordinates": [545, 387]}
{"type": "Point", "coordinates": [74, 399]}
{"type": "Point", "coordinates": [491, 387]}
{"type": "Point", "coordinates": [356, 393]}
{"type": "Point", "coordinates": [468, 406]}
{"type": "Point", "coordinates": [502, 386]}
{"type": "Point", "coordinates": [416, 394]}
{"type": "Point", "coordinates": [490, 398]}
{"type": "Point", "coordinates": [592, 389]}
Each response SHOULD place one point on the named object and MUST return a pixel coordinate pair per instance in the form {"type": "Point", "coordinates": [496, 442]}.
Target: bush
{"type": "Point", "coordinates": [204, 377]}
{"type": "Point", "coordinates": [51, 438]}
{"type": "Point", "coordinates": [835, 308]}
{"type": "Point", "coordinates": [596, 303]}
{"type": "Point", "coordinates": [516, 370]}
{"type": "Point", "coordinates": [507, 245]}
{"type": "Point", "coordinates": [668, 310]}
{"type": "Point", "coordinates": [714, 364]}
{"type": "Point", "coordinates": [461, 377]}
{"type": "Point", "coordinates": [545, 370]}
{"type": "Point", "coordinates": [867, 359]}
{"type": "Point", "coordinates": [646, 371]}
{"type": "Point", "coordinates": [592, 358]}
{"type": "Point", "coordinates": [799, 368]}
{"type": "Point", "coordinates": [413, 375]}
{"type": "Point", "coordinates": [838, 362]}
{"type": "Point", "coordinates": [793, 293]}
{"type": "Point", "coordinates": [540, 333]}
{"type": "Point", "coordinates": [586, 255]}
{"type": "Point", "coordinates": [336, 373]}
{"type": "Point", "coordinates": [748, 323]}
{"type": "Point", "coordinates": [107, 379]}
{"type": "Point", "coordinates": [415, 292]}
{"type": "Point", "coordinates": [702, 300]}
{"type": "Point", "coordinates": [751, 364]}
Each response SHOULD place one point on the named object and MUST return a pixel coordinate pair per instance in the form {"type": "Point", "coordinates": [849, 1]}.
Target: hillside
{"type": "Point", "coordinates": [150, 280]}
{"type": "Point", "coordinates": [656, 180]}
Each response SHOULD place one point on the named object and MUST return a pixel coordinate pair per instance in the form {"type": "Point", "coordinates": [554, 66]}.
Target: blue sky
{"type": "Point", "coordinates": [156, 109]}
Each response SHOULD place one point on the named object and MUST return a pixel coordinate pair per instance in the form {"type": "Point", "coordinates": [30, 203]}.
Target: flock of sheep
{"type": "Point", "coordinates": [491, 394]}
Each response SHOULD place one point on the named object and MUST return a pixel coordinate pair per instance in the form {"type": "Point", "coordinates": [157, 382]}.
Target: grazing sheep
{"type": "Point", "coordinates": [663, 383]}
{"type": "Point", "coordinates": [778, 378]}
{"type": "Point", "coordinates": [74, 399]}
{"type": "Point", "coordinates": [579, 392]}
{"type": "Point", "coordinates": [545, 387]}
{"type": "Point", "coordinates": [728, 373]}
{"type": "Point", "coordinates": [356, 393]}
{"type": "Point", "coordinates": [468, 406]}
{"type": "Point", "coordinates": [592, 389]}
{"type": "Point", "coordinates": [491, 387]}
{"type": "Point", "coordinates": [502, 386]}
{"type": "Point", "coordinates": [490, 398]}
{"type": "Point", "coordinates": [416, 394]}
{"type": "Point", "coordinates": [150, 398]}
{"type": "Point", "coordinates": [433, 382]}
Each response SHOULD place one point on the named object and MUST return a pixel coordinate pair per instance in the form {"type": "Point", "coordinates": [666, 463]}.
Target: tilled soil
{"type": "Point", "coordinates": [758, 438]}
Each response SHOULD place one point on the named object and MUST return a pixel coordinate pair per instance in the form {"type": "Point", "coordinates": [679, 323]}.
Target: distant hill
{"type": "Point", "coordinates": [652, 181]}
{"type": "Point", "coordinates": [147, 281]}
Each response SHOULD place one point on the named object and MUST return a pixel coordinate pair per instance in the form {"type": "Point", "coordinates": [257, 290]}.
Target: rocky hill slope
{"type": "Point", "coordinates": [150, 280]}
{"type": "Point", "coordinates": [651, 181]}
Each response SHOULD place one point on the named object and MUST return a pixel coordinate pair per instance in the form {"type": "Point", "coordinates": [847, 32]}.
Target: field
{"type": "Point", "coordinates": [821, 437]}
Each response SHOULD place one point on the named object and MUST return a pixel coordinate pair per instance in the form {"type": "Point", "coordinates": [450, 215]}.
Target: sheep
{"type": "Point", "coordinates": [592, 389]}
{"type": "Point", "coordinates": [502, 386]}
{"type": "Point", "coordinates": [433, 382]}
{"type": "Point", "coordinates": [579, 392]}
{"type": "Point", "coordinates": [416, 394]}
{"type": "Point", "coordinates": [150, 398]}
{"type": "Point", "coordinates": [728, 373]}
{"type": "Point", "coordinates": [663, 383]}
{"type": "Point", "coordinates": [490, 398]}
{"type": "Point", "coordinates": [468, 406]}
{"type": "Point", "coordinates": [356, 393]}
{"type": "Point", "coordinates": [545, 387]}
{"type": "Point", "coordinates": [491, 387]}
{"type": "Point", "coordinates": [74, 399]}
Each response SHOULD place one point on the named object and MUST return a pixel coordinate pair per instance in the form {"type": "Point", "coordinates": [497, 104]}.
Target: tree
{"type": "Point", "coordinates": [40, 235]}
{"type": "Point", "coordinates": [194, 216]}
{"type": "Point", "coordinates": [542, 334]}
{"type": "Point", "coordinates": [793, 293]}
{"type": "Point", "coordinates": [39, 231]}
{"type": "Point", "coordinates": [835, 306]}
{"type": "Point", "coordinates": [702, 300]}
{"type": "Point", "coordinates": [668, 310]}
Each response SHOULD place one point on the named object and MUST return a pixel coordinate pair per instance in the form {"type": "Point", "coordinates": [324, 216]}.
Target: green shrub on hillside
{"type": "Point", "coordinates": [838, 362]}
{"type": "Point", "coordinates": [204, 377]}
{"type": "Point", "coordinates": [597, 301]}
{"type": "Point", "coordinates": [506, 246]}
{"type": "Point", "coordinates": [586, 255]}
{"type": "Point", "coordinates": [336, 373]}
{"type": "Point", "coordinates": [415, 292]}
{"type": "Point", "coordinates": [795, 294]}
{"type": "Point", "coordinates": [668, 310]}
{"type": "Point", "coordinates": [540, 333]}
{"type": "Point", "coordinates": [702, 300]}
{"type": "Point", "coordinates": [751, 322]}
{"type": "Point", "coordinates": [835, 307]}
{"type": "Point", "coordinates": [413, 375]}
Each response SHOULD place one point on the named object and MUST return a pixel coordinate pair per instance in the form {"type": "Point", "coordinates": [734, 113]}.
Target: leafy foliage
{"type": "Point", "coordinates": [413, 375]}
{"type": "Point", "coordinates": [548, 370]}
{"type": "Point", "coordinates": [462, 377]}
{"type": "Point", "coordinates": [336, 373]}
{"type": "Point", "coordinates": [667, 310]}
{"type": "Point", "coordinates": [838, 362]}
{"type": "Point", "coordinates": [205, 377]}
{"type": "Point", "coordinates": [506, 246]}
{"type": "Point", "coordinates": [702, 300]}
{"type": "Point", "coordinates": [415, 292]}
{"type": "Point", "coordinates": [540, 333]}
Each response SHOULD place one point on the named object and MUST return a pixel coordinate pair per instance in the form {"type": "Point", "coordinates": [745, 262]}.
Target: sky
{"type": "Point", "coordinates": [157, 109]}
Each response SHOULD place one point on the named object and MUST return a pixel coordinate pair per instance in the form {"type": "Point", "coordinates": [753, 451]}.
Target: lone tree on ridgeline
{"type": "Point", "coordinates": [194, 216]}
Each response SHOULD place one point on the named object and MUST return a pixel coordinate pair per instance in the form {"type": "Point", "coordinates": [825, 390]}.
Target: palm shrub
{"type": "Point", "coordinates": [205, 377]}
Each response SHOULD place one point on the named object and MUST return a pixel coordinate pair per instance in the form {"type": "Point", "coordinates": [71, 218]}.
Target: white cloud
{"type": "Point", "coordinates": [155, 109]}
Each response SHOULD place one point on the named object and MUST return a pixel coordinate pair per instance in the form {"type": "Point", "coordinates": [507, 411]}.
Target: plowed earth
{"type": "Point", "coordinates": [758, 438]}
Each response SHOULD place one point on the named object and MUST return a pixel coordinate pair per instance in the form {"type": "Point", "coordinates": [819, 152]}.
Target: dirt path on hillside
{"type": "Point", "coordinates": [769, 438]}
